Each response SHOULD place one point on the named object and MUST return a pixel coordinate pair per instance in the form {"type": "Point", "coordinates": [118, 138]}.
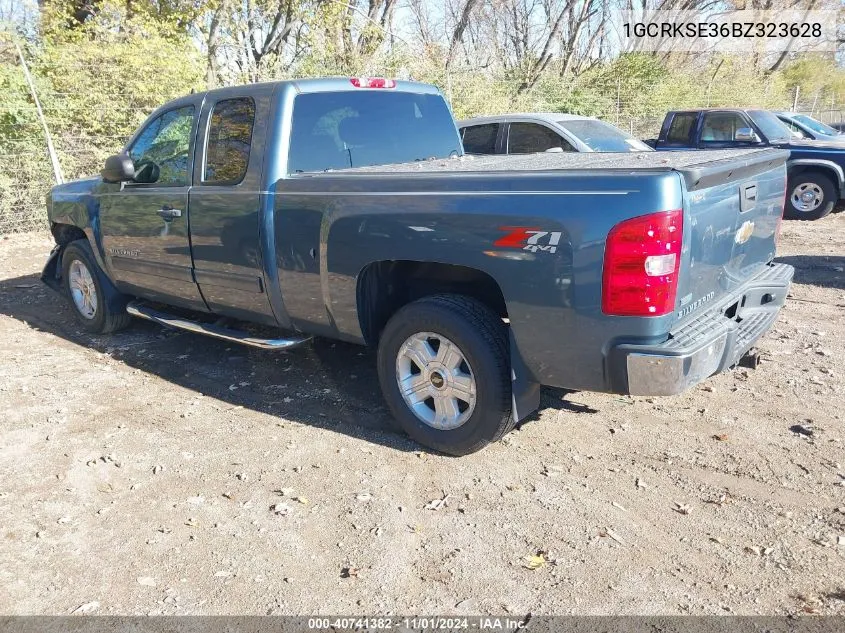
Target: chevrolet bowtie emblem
{"type": "Point", "coordinates": [745, 232]}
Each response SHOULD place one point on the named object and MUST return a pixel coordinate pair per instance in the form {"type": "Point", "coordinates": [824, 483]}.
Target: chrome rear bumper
{"type": "Point", "coordinates": [708, 344]}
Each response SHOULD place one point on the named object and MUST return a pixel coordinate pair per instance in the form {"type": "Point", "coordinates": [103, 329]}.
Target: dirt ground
{"type": "Point", "coordinates": [156, 472]}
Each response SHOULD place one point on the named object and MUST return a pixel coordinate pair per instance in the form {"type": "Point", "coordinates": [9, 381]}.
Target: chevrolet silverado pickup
{"type": "Point", "coordinates": [815, 169]}
{"type": "Point", "coordinates": [270, 213]}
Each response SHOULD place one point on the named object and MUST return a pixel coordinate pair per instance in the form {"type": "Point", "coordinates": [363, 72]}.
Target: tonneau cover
{"type": "Point", "coordinates": [680, 160]}
{"type": "Point", "coordinates": [699, 168]}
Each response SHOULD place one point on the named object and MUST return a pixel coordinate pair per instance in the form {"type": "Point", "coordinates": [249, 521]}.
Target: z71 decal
{"type": "Point", "coordinates": [529, 238]}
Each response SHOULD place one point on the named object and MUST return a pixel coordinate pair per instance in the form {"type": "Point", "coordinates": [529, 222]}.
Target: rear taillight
{"type": "Point", "coordinates": [372, 82]}
{"type": "Point", "coordinates": [641, 261]}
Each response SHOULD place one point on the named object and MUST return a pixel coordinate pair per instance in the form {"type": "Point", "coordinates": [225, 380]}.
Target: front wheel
{"type": "Point", "coordinates": [444, 369]}
{"type": "Point", "coordinates": [809, 196]}
{"type": "Point", "coordinates": [95, 302]}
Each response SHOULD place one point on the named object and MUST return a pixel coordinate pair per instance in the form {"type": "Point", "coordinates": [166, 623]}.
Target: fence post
{"type": "Point", "coordinates": [57, 168]}
{"type": "Point", "coordinates": [795, 99]}
{"type": "Point", "coordinates": [618, 100]}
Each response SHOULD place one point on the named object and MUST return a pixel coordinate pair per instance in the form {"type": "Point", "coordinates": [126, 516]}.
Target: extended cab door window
{"type": "Point", "coordinates": [530, 138]}
{"type": "Point", "coordinates": [229, 140]}
{"type": "Point", "coordinates": [480, 139]}
{"type": "Point", "coordinates": [161, 152]}
{"type": "Point", "coordinates": [719, 128]}
{"type": "Point", "coordinates": [681, 128]}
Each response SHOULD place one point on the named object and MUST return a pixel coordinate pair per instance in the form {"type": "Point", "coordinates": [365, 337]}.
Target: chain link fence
{"type": "Point", "coordinates": [82, 148]}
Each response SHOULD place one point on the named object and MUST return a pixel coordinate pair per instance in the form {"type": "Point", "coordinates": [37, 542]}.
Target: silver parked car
{"type": "Point", "coordinates": [529, 133]}
{"type": "Point", "coordinates": [806, 127]}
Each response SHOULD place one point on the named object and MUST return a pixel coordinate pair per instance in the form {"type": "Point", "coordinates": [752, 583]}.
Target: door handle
{"type": "Point", "coordinates": [168, 213]}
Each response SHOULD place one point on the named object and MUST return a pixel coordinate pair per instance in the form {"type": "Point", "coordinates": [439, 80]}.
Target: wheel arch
{"type": "Point", "coordinates": [825, 167]}
{"type": "Point", "coordinates": [385, 286]}
{"type": "Point", "coordinates": [64, 234]}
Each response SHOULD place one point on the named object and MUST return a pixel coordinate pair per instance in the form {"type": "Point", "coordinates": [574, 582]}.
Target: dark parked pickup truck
{"type": "Point", "coordinates": [816, 169]}
{"type": "Point", "coordinates": [478, 279]}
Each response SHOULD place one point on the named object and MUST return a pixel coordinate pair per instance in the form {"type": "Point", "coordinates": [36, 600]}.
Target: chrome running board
{"type": "Point", "coordinates": [144, 311]}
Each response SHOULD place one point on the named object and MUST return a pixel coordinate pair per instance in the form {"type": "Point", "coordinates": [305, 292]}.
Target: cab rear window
{"type": "Point", "coordinates": [335, 130]}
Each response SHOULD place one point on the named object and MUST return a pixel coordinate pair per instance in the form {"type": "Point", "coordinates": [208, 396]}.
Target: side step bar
{"type": "Point", "coordinates": [143, 311]}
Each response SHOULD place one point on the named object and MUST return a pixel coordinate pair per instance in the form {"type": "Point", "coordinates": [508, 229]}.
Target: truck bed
{"type": "Point", "coordinates": [694, 165]}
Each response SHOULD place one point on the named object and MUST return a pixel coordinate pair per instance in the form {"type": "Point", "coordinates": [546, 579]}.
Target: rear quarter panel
{"type": "Point", "coordinates": [329, 227]}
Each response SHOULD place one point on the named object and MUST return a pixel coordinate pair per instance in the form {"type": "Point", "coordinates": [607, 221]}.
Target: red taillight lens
{"type": "Point", "coordinates": [372, 82]}
{"type": "Point", "coordinates": [641, 261]}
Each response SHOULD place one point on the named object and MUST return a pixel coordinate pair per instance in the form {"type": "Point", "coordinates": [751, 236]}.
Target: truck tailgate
{"type": "Point", "coordinates": [733, 209]}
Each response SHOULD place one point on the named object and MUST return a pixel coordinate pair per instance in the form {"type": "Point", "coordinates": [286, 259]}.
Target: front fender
{"type": "Point", "coordinates": [74, 204]}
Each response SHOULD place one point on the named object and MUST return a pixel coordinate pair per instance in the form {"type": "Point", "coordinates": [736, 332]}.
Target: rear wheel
{"type": "Point", "coordinates": [96, 304]}
{"type": "Point", "coordinates": [444, 370]}
{"type": "Point", "coordinates": [810, 196]}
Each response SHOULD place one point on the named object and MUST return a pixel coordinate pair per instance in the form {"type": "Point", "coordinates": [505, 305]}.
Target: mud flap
{"type": "Point", "coordinates": [525, 390]}
{"type": "Point", "coordinates": [52, 269]}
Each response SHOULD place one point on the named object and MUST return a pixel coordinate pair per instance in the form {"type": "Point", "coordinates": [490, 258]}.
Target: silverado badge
{"type": "Point", "coordinates": [745, 232]}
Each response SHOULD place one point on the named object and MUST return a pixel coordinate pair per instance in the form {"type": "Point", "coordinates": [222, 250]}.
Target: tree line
{"type": "Point", "coordinates": [100, 66]}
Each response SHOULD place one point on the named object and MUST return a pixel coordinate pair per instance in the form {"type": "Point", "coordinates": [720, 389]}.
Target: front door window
{"type": "Point", "coordinates": [161, 151]}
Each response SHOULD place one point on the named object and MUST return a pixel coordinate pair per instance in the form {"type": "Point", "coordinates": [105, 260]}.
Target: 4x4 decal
{"type": "Point", "coordinates": [529, 238]}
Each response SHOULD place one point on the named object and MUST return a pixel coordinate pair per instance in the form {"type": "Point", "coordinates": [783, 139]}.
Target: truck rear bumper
{"type": "Point", "coordinates": [704, 346]}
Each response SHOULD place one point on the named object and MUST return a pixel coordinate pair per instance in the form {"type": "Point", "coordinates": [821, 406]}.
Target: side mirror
{"type": "Point", "coordinates": [554, 150]}
{"type": "Point", "coordinates": [746, 135]}
{"type": "Point", "coordinates": [119, 168]}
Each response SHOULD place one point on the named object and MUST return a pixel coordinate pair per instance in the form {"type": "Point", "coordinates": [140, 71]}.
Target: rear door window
{"type": "Point", "coordinates": [797, 132]}
{"type": "Point", "coordinates": [530, 138]}
{"type": "Point", "coordinates": [480, 139]}
{"type": "Point", "coordinates": [334, 130]}
{"type": "Point", "coordinates": [229, 139]}
{"type": "Point", "coordinates": [680, 128]}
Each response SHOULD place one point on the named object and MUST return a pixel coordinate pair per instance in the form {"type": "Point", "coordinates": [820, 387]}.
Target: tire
{"type": "Point", "coordinates": [824, 193]}
{"type": "Point", "coordinates": [478, 336]}
{"type": "Point", "coordinates": [99, 308]}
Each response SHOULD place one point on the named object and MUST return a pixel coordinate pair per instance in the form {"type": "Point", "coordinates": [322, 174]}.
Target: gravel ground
{"type": "Point", "coordinates": [156, 472]}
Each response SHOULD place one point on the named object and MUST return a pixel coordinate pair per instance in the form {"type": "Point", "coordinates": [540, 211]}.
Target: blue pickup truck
{"type": "Point", "coordinates": [270, 213]}
{"type": "Point", "coordinates": [816, 169]}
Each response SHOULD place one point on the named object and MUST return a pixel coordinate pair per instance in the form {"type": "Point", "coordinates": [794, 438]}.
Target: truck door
{"type": "Point", "coordinates": [144, 224]}
{"type": "Point", "coordinates": [225, 203]}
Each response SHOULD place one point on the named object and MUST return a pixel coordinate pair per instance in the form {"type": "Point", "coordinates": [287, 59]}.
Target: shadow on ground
{"type": "Point", "coordinates": [817, 270]}
{"type": "Point", "coordinates": [327, 384]}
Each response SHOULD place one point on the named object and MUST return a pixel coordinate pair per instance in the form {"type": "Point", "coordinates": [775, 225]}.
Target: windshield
{"type": "Point", "coordinates": [603, 137]}
{"type": "Point", "coordinates": [770, 125]}
{"type": "Point", "coordinates": [816, 126]}
{"type": "Point", "coordinates": [358, 128]}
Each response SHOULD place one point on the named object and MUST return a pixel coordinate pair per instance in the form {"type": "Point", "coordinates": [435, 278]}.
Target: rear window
{"type": "Point", "coordinates": [480, 139]}
{"type": "Point", "coordinates": [531, 138]}
{"type": "Point", "coordinates": [335, 130]}
{"type": "Point", "coordinates": [680, 128]}
{"type": "Point", "coordinates": [603, 137]}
